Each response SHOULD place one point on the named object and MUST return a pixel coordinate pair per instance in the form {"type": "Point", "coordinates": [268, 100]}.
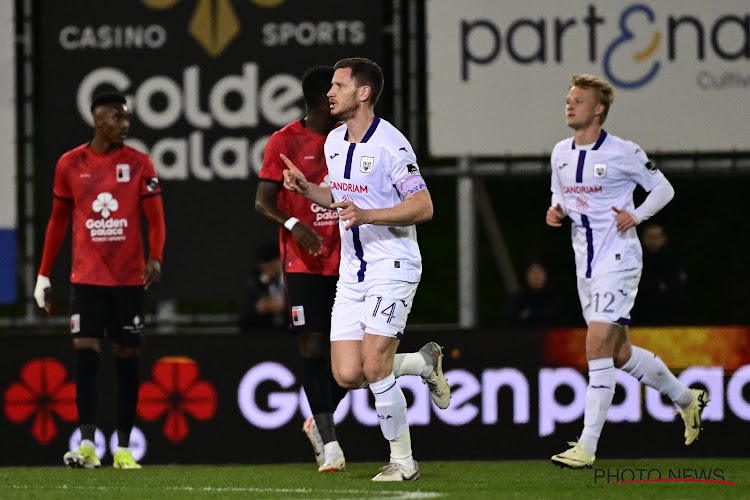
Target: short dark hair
{"type": "Point", "coordinates": [108, 97]}
{"type": "Point", "coordinates": [316, 82]}
{"type": "Point", "coordinates": [364, 72]}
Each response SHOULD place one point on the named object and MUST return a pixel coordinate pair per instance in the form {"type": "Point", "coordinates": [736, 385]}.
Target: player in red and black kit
{"type": "Point", "coordinates": [310, 250]}
{"type": "Point", "coordinates": [105, 185]}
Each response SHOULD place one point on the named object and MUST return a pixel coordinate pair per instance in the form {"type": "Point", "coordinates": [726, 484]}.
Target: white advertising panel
{"type": "Point", "coordinates": [498, 72]}
{"type": "Point", "coordinates": [8, 219]}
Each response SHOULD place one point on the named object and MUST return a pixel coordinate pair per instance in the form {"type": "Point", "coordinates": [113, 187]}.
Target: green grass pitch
{"type": "Point", "coordinates": [461, 480]}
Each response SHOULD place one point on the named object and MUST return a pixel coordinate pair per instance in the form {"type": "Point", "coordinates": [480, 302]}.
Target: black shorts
{"type": "Point", "coordinates": [112, 311]}
{"type": "Point", "coordinates": [310, 301]}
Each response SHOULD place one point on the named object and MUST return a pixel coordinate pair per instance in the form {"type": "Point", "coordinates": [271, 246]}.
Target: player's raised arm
{"type": "Point", "coordinates": [295, 181]}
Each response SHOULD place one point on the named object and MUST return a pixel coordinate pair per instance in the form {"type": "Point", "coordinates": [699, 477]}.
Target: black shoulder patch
{"type": "Point", "coordinates": [152, 183]}
{"type": "Point", "coordinates": [412, 168]}
{"type": "Point", "coordinates": [650, 166]}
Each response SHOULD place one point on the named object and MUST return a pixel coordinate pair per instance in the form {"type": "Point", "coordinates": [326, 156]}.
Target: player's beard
{"type": "Point", "coordinates": [346, 113]}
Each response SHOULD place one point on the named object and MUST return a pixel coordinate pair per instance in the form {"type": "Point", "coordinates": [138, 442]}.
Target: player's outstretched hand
{"type": "Point", "coordinates": [152, 274]}
{"type": "Point", "coordinates": [352, 213]}
{"type": "Point", "coordinates": [308, 238]}
{"type": "Point", "coordinates": [294, 179]}
{"type": "Point", "coordinates": [555, 216]}
{"type": "Point", "coordinates": [625, 219]}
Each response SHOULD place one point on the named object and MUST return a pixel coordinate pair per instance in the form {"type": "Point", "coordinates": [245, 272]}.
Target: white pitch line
{"type": "Point", "coordinates": [390, 494]}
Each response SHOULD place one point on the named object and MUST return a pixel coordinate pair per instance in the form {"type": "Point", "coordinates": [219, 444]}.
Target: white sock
{"type": "Point", "coordinates": [401, 450]}
{"type": "Point", "coordinates": [411, 363]}
{"type": "Point", "coordinates": [599, 394]}
{"type": "Point", "coordinates": [390, 404]}
{"type": "Point", "coordinates": [649, 369]}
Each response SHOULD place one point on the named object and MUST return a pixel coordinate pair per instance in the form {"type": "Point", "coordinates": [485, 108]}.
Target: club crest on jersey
{"type": "Point", "coordinates": [600, 170]}
{"type": "Point", "coordinates": [366, 164]}
{"type": "Point", "coordinates": [123, 172]}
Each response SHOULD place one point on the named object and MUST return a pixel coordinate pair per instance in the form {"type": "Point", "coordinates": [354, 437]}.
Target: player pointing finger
{"type": "Point", "coordinates": [625, 219]}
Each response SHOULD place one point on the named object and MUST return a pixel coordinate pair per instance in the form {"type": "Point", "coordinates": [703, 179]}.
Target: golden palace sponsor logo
{"type": "Point", "coordinates": [214, 23]}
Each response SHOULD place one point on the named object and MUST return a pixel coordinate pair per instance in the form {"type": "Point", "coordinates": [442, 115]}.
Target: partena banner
{"type": "Point", "coordinates": [679, 69]}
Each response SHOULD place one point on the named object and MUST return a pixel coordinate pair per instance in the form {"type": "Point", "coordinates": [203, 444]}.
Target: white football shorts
{"type": "Point", "coordinates": [379, 307]}
{"type": "Point", "coordinates": [609, 297]}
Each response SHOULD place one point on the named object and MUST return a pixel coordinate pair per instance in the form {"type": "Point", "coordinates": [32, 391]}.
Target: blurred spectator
{"type": "Point", "coordinates": [535, 304]}
{"type": "Point", "coordinates": [265, 307]}
{"type": "Point", "coordinates": [662, 285]}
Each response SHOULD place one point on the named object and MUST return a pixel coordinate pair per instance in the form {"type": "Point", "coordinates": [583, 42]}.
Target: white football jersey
{"type": "Point", "coordinates": [366, 174]}
{"type": "Point", "coordinates": [588, 183]}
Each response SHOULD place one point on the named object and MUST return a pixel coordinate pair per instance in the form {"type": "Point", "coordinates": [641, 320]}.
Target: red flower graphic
{"type": "Point", "coordinates": [176, 390]}
{"type": "Point", "coordinates": [42, 390]}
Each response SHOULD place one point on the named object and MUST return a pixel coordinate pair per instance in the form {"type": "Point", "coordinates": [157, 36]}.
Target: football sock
{"type": "Point", "coordinates": [316, 379]}
{"type": "Point", "coordinates": [127, 397]}
{"type": "Point", "coordinates": [649, 369]}
{"type": "Point", "coordinates": [88, 435]}
{"type": "Point", "coordinates": [326, 427]}
{"type": "Point", "coordinates": [412, 363]}
{"type": "Point", "coordinates": [390, 405]}
{"type": "Point", "coordinates": [337, 392]}
{"type": "Point", "coordinates": [599, 394]}
{"type": "Point", "coordinates": [87, 363]}
{"type": "Point", "coordinates": [401, 449]}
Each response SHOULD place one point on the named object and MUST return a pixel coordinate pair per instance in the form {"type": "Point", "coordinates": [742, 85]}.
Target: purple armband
{"type": "Point", "coordinates": [410, 185]}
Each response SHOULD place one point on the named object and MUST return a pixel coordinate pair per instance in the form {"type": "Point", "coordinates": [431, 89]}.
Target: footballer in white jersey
{"type": "Point", "coordinates": [594, 175]}
{"type": "Point", "coordinates": [587, 182]}
{"type": "Point", "coordinates": [378, 172]}
{"type": "Point", "coordinates": [375, 184]}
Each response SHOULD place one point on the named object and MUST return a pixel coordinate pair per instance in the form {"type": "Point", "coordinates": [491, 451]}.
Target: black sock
{"type": "Point", "coordinates": [317, 384]}
{"type": "Point", "coordinates": [337, 392]}
{"type": "Point", "coordinates": [127, 398]}
{"type": "Point", "coordinates": [87, 367]}
{"type": "Point", "coordinates": [326, 427]}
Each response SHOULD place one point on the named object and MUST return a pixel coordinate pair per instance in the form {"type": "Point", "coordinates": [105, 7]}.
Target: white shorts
{"type": "Point", "coordinates": [609, 297]}
{"type": "Point", "coordinates": [380, 307]}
